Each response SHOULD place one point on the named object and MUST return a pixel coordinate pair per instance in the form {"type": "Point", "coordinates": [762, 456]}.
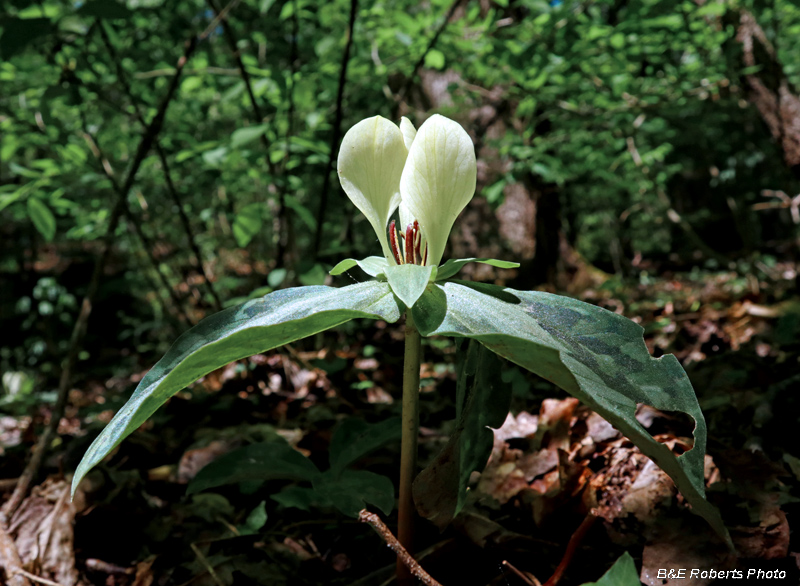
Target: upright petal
{"type": "Point", "coordinates": [370, 164]}
{"type": "Point", "coordinates": [408, 130]}
{"type": "Point", "coordinates": [438, 180]}
{"type": "Point", "coordinates": [406, 217]}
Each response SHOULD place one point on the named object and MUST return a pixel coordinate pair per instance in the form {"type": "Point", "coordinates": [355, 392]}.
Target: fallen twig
{"type": "Point", "coordinates": [204, 561]}
{"type": "Point", "coordinates": [529, 580]}
{"type": "Point", "coordinates": [35, 578]}
{"type": "Point", "coordinates": [381, 529]}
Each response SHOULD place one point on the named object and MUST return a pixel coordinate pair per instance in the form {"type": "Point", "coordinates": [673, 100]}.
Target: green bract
{"type": "Point", "coordinates": [593, 354]}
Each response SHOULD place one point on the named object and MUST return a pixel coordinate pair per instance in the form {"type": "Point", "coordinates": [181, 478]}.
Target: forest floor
{"type": "Point", "coordinates": [554, 461]}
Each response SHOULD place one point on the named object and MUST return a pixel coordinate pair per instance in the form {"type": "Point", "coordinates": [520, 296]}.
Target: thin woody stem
{"type": "Point", "coordinates": [402, 555]}
{"type": "Point", "coordinates": [408, 448]}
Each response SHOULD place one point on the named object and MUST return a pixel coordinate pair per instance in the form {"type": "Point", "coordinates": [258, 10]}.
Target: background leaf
{"type": "Point", "coordinates": [18, 33]}
{"type": "Point", "coordinates": [108, 9]}
{"type": "Point", "coordinates": [246, 135]}
{"type": "Point", "coordinates": [274, 460]}
{"type": "Point", "coordinates": [42, 218]}
{"type": "Point", "coordinates": [247, 224]}
{"type": "Point", "coordinates": [355, 438]}
{"type": "Point", "coordinates": [353, 490]}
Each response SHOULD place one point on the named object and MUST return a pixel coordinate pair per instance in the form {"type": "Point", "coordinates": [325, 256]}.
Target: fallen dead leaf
{"type": "Point", "coordinates": [43, 531]}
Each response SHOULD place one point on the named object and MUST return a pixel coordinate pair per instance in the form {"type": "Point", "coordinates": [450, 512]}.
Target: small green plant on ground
{"type": "Point", "coordinates": [427, 177]}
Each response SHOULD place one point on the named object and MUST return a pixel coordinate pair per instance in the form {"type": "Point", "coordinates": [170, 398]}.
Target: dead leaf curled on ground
{"type": "Point", "coordinates": [42, 528]}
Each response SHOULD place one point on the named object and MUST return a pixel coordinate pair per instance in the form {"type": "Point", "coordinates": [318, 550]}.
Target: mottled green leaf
{"type": "Point", "coordinates": [274, 460]}
{"type": "Point", "coordinates": [594, 354]}
{"type": "Point", "coordinates": [409, 281]}
{"type": "Point", "coordinates": [355, 438]}
{"type": "Point", "coordinates": [482, 402]}
{"type": "Point", "coordinates": [254, 327]}
{"type": "Point", "coordinates": [353, 490]}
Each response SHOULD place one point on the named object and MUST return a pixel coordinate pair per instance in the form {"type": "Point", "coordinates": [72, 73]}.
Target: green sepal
{"type": "Point", "coordinates": [452, 266]}
{"type": "Point", "coordinates": [374, 266]}
{"type": "Point", "coordinates": [408, 282]}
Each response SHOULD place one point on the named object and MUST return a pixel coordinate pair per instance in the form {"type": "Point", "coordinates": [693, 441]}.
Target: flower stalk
{"type": "Point", "coordinates": [408, 447]}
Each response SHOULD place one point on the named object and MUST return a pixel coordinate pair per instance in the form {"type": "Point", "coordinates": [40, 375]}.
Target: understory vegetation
{"type": "Point", "coordinates": [164, 161]}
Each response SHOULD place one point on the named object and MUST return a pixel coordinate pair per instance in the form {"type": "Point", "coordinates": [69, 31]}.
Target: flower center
{"type": "Point", "coordinates": [409, 250]}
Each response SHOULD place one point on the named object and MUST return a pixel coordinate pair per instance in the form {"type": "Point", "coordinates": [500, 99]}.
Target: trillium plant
{"type": "Point", "coordinates": [425, 178]}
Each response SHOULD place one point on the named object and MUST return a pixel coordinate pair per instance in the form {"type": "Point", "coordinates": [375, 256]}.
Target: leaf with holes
{"type": "Point", "coordinates": [593, 354]}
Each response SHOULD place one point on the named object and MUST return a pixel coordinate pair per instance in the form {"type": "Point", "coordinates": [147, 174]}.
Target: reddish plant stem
{"type": "Point", "coordinates": [572, 547]}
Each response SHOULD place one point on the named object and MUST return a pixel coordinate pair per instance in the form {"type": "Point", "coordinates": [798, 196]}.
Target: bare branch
{"type": "Point", "coordinates": [79, 329]}
{"type": "Point", "coordinates": [431, 44]}
{"type": "Point", "coordinates": [230, 37]}
{"type": "Point", "coordinates": [171, 189]}
{"type": "Point", "coordinates": [381, 529]}
{"type": "Point", "coordinates": [337, 128]}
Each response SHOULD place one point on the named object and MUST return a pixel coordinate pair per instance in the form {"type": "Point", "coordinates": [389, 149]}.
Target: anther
{"type": "Point", "coordinates": [393, 242]}
{"type": "Point", "coordinates": [410, 244]}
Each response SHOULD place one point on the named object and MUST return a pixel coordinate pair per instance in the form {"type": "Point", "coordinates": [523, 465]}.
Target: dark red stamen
{"type": "Point", "coordinates": [410, 244]}
{"type": "Point", "coordinates": [417, 242]}
{"type": "Point", "coordinates": [393, 242]}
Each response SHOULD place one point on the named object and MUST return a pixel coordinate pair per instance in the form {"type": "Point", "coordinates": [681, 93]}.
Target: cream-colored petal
{"type": "Point", "coordinates": [370, 164]}
{"type": "Point", "coordinates": [408, 130]}
{"type": "Point", "coordinates": [405, 217]}
{"type": "Point", "coordinates": [438, 180]}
